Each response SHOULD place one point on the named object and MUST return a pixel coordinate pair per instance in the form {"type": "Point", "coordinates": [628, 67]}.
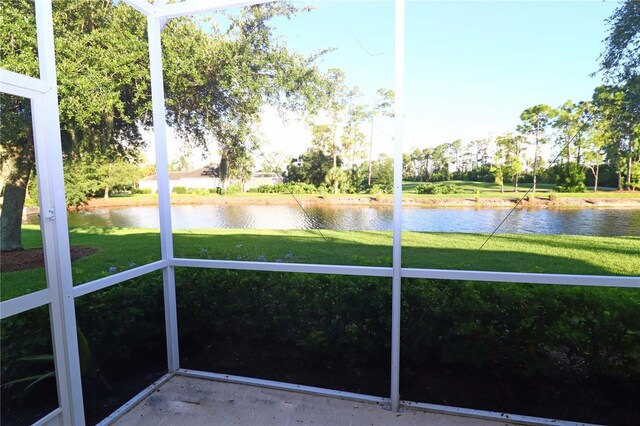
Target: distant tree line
{"type": "Point", "coordinates": [594, 143]}
{"type": "Point", "coordinates": [340, 156]}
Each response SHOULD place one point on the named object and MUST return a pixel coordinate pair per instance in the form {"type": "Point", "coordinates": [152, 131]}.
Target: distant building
{"type": "Point", "coordinates": [260, 178]}
{"type": "Point", "coordinates": [207, 177]}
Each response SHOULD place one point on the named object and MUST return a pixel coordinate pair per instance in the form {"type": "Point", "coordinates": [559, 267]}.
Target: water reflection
{"type": "Point", "coordinates": [604, 222]}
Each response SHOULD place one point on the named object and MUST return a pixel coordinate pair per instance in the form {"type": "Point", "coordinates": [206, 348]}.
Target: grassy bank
{"type": "Point", "coordinates": [121, 249]}
{"type": "Point", "coordinates": [464, 344]}
{"type": "Point", "coordinates": [479, 194]}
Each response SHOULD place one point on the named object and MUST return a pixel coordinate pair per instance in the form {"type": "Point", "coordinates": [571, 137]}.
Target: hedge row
{"type": "Point", "coordinates": [290, 188]}
{"type": "Point", "coordinates": [521, 330]}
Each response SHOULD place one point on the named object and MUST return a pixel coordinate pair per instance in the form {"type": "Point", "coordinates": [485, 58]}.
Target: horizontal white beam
{"type": "Point", "coordinates": [21, 85]}
{"type": "Point", "coordinates": [489, 415]}
{"type": "Point", "coordinates": [135, 400]}
{"type": "Point", "coordinates": [24, 303]}
{"type": "Point", "coordinates": [141, 6]}
{"type": "Point", "coordinates": [284, 267]}
{"type": "Point", "coordinates": [282, 386]}
{"type": "Point", "coordinates": [192, 7]}
{"type": "Point", "coordinates": [54, 418]}
{"type": "Point", "coordinates": [440, 274]}
{"type": "Point", "coordinates": [121, 277]}
{"type": "Point", "coordinates": [518, 277]}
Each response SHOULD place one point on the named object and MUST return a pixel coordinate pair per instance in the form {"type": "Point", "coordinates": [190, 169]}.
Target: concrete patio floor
{"type": "Point", "coordinates": [192, 401]}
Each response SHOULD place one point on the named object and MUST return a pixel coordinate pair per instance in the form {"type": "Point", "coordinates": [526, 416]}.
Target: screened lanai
{"type": "Point", "coordinates": [361, 339]}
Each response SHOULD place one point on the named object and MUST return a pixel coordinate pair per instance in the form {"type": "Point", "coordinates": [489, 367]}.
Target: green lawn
{"type": "Point", "coordinates": [484, 189]}
{"type": "Point", "coordinates": [121, 249]}
{"type": "Point", "coordinates": [477, 189]}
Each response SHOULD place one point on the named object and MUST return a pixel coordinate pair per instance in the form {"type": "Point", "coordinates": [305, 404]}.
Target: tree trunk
{"type": "Point", "coordinates": [618, 163]}
{"type": "Point", "coordinates": [515, 181]}
{"type": "Point", "coordinates": [370, 152]}
{"type": "Point", "coordinates": [106, 187]}
{"type": "Point", "coordinates": [334, 148]}
{"type": "Point", "coordinates": [426, 172]}
{"type": "Point", "coordinates": [14, 195]}
{"type": "Point", "coordinates": [595, 185]}
{"type": "Point", "coordinates": [535, 154]}
{"type": "Point", "coordinates": [579, 155]}
{"type": "Point", "coordinates": [619, 180]}
{"type": "Point", "coordinates": [629, 172]}
{"type": "Point", "coordinates": [535, 166]}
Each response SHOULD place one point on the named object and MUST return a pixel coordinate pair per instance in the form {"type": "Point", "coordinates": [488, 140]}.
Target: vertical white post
{"type": "Point", "coordinates": [397, 207]}
{"type": "Point", "coordinates": [55, 233]}
{"type": "Point", "coordinates": [164, 200]}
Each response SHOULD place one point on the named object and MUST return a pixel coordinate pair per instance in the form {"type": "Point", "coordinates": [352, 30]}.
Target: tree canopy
{"type": "Point", "coordinates": [621, 59]}
{"type": "Point", "coordinates": [216, 81]}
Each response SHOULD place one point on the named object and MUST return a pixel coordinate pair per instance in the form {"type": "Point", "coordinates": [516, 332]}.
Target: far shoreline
{"type": "Point", "coordinates": [505, 200]}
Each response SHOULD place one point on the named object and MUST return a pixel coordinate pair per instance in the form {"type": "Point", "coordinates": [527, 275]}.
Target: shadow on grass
{"type": "Point", "coordinates": [612, 245]}
{"type": "Point", "coordinates": [119, 249]}
{"type": "Point", "coordinates": [499, 261]}
{"type": "Point", "coordinates": [122, 249]}
{"type": "Point", "coordinates": [345, 251]}
{"type": "Point", "coordinates": [370, 249]}
{"type": "Point", "coordinates": [483, 187]}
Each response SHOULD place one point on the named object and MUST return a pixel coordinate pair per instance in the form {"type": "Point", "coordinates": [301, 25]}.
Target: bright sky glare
{"type": "Point", "coordinates": [471, 66]}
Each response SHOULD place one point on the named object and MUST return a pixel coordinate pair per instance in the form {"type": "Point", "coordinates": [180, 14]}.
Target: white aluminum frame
{"type": "Point", "coordinates": [60, 293]}
{"type": "Point", "coordinates": [54, 418]}
{"type": "Point", "coordinates": [22, 85]}
{"type": "Point", "coordinates": [490, 415]}
{"type": "Point", "coordinates": [154, 30]}
{"type": "Point", "coordinates": [370, 271]}
{"type": "Point", "coordinates": [118, 278]}
{"type": "Point", "coordinates": [127, 406]}
{"type": "Point", "coordinates": [25, 303]}
{"type": "Point", "coordinates": [396, 280]}
{"type": "Point", "coordinates": [271, 384]}
{"type": "Point", "coordinates": [43, 94]}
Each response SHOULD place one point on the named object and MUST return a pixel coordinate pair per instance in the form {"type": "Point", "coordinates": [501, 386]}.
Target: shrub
{"type": "Point", "coordinates": [145, 191]}
{"type": "Point", "coordinates": [233, 189]}
{"type": "Point", "coordinates": [377, 189]}
{"type": "Point", "coordinates": [425, 188]}
{"type": "Point", "coordinates": [430, 188]}
{"type": "Point", "coordinates": [571, 178]}
{"type": "Point", "coordinates": [460, 323]}
{"type": "Point", "coordinates": [510, 329]}
{"type": "Point", "coordinates": [197, 191]}
{"type": "Point", "coordinates": [179, 190]}
{"type": "Point", "coordinates": [289, 188]}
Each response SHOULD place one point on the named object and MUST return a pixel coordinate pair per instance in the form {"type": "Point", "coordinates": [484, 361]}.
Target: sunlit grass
{"type": "Point", "coordinates": [121, 249]}
{"type": "Point", "coordinates": [472, 189]}
{"type": "Point", "coordinates": [485, 190]}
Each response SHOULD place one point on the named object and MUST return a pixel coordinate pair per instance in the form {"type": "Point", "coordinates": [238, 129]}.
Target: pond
{"type": "Point", "coordinates": [602, 222]}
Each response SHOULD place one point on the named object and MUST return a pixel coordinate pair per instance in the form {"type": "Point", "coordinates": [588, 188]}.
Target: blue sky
{"type": "Point", "coordinates": [471, 66]}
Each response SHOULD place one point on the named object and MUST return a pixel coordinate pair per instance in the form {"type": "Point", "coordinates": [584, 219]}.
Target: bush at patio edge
{"type": "Point", "coordinates": [518, 329]}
